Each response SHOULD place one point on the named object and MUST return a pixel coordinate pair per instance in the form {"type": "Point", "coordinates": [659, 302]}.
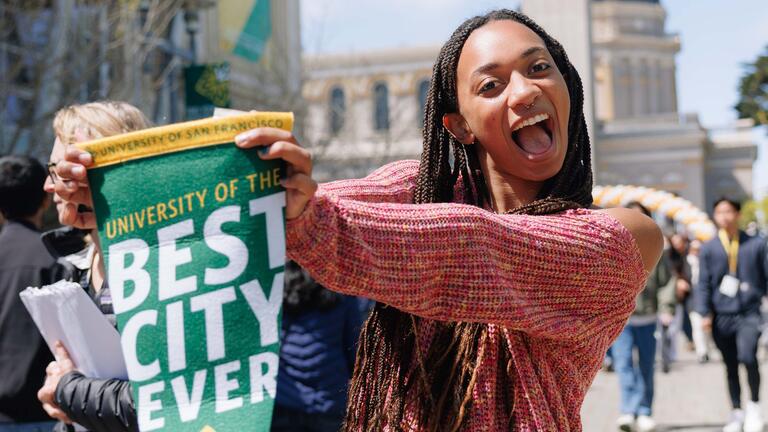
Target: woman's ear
{"type": "Point", "coordinates": [455, 124]}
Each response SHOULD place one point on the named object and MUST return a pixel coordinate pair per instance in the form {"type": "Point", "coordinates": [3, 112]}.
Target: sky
{"type": "Point", "coordinates": [717, 38]}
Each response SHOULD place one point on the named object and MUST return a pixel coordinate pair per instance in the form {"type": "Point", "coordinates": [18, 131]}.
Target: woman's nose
{"type": "Point", "coordinates": [522, 92]}
{"type": "Point", "coordinates": [48, 186]}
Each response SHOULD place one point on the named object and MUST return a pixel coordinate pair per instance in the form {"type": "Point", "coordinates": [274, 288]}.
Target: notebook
{"type": "Point", "coordinates": [63, 311]}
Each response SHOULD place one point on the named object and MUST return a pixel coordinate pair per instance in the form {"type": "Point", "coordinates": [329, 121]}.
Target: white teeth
{"type": "Point", "coordinates": [532, 121]}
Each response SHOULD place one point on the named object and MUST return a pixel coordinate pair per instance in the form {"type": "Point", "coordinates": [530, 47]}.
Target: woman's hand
{"type": "Point", "coordinates": [272, 143]}
{"type": "Point", "coordinates": [275, 143]}
{"type": "Point", "coordinates": [73, 189]}
{"type": "Point", "coordinates": [53, 373]}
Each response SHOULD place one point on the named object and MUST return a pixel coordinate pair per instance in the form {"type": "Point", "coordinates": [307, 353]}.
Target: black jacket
{"type": "Point", "coordinates": [752, 271]}
{"type": "Point", "coordinates": [24, 355]}
{"type": "Point", "coordinates": [97, 404]}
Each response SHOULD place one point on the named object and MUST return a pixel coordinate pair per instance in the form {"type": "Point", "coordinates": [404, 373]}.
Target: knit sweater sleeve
{"type": "Point", "coordinates": [557, 276]}
{"type": "Point", "coordinates": [393, 183]}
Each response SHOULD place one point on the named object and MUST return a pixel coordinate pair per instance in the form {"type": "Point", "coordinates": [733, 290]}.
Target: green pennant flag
{"type": "Point", "coordinates": [245, 27]}
{"type": "Point", "coordinates": [192, 231]}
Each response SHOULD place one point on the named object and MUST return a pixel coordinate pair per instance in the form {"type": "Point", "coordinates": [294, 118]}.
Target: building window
{"type": "Point", "coordinates": [422, 92]}
{"type": "Point", "coordinates": [381, 107]}
{"type": "Point", "coordinates": [337, 110]}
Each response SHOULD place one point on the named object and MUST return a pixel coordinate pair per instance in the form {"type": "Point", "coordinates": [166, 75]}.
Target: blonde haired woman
{"type": "Point", "coordinates": [81, 123]}
{"type": "Point", "coordinates": [67, 395]}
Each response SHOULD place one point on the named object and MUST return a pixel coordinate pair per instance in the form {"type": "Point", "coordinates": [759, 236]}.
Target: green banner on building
{"type": "Point", "coordinates": [206, 87]}
{"type": "Point", "coordinates": [192, 230]}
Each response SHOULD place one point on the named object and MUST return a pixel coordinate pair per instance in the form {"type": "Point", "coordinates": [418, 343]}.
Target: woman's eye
{"type": "Point", "coordinates": [540, 67]}
{"type": "Point", "coordinates": [490, 85]}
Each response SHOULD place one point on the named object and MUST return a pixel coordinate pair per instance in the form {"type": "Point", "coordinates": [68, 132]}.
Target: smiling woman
{"type": "Point", "coordinates": [499, 288]}
{"type": "Point", "coordinates": [487, 320]}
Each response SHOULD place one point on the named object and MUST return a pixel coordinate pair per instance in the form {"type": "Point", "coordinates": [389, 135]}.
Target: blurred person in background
{"type": "Point", "coordinates": [319, 336]}
{"type": "Point", "coordinates": [733, 274]}
{"type": "Point", "coordinates": [24, 262]}
{"type": "Point", "coordinates": [678, 263]}
{"type": "Point", "coordinates": [655, 303]}
{"type": "Point", "coordinates": [701, 338]}
{"type": "Point", "coordinates": [666, 322]}
{"type": "Point", "coordinates": [608, 361]}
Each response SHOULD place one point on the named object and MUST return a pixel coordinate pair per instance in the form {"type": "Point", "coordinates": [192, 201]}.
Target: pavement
{"type": "Point", "coordinates": [692, 397]}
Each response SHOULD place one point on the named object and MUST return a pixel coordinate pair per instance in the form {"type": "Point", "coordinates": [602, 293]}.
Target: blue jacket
{"type": "Point", "coordinates": [317, 357]}
{"type": "Point", "coordinates": [752, 271]}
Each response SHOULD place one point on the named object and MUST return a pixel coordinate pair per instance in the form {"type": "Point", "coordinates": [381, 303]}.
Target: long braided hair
{"type": "Point", "coordinates": [438, 388]}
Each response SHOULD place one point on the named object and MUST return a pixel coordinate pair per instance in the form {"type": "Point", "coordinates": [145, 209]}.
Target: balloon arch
{"type": "Point", "coordinates": [696, 222]}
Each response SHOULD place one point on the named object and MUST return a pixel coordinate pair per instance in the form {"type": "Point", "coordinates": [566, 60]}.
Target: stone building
{"type": "Point", "coordinates": [641, 136]}
{"type": "Point", "coordinates": [365, 108]}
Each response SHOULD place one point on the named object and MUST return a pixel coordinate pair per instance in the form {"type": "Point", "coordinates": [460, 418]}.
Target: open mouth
{"type": "Point", "coordinates": [534, 135]}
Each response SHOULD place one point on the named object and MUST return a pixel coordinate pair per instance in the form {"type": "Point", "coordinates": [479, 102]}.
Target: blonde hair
{"type": "Point", "coordinates": [97, 120]}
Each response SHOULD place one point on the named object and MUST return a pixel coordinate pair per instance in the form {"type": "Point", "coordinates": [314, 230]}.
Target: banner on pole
{"type": "Point", "coordinates": [206, 86]}
{"type": "Point", "coordinates": [245, 27]}
{"type": "Point", "coordinates": [192, 230]}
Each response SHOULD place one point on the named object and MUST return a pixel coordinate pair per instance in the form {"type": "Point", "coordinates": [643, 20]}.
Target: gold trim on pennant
{"type": "Point", "coordinates": [180, 136]}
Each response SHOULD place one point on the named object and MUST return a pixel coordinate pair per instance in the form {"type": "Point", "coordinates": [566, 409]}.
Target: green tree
{"type": "Point", "coordinates": [754, 211]}
{"type": "Point", "coordinates": [753, 89]}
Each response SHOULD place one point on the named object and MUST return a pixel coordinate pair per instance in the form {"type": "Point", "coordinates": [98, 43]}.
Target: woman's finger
{"type": "Point", "coordinates": [67, 170]}
{"type": "Point", "coordinates": [63, 358]}
{"type": "Point", "coordinates": [300, 188]}
{"type": "Point", "coordinates": [56, 413]}
{"type": "Point", "coordinates": [45, 394]}
{"type": "Point", "coordinates": [263, 136]}
{"type": "Point", "coordinates": [51, 368]}
{"type": "Point", "coordinates": [77, 156]}
{"type": "Point", "coordinates": [73, 192]}
{"type": "Point", "coordinates": [300, 158]}
{"type": "Point", "coordinates": [60, 352]}
{"type": "Point", "coordinates": [301, 182]}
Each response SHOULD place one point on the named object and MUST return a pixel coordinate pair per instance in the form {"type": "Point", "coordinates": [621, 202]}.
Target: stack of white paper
{"type": "Point", "coordinates": [63, 311]}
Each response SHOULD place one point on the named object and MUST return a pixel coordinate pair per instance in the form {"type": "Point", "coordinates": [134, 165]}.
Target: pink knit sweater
{"type": "Point", "coordinates": [559, 288]}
